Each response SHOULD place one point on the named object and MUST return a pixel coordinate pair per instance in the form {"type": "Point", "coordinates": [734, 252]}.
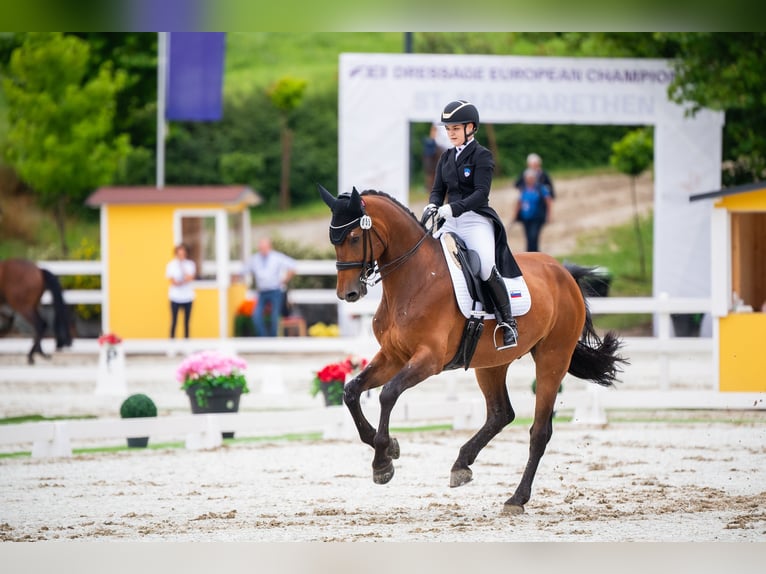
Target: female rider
{"type": "Point", "coordinates": [463, 179]}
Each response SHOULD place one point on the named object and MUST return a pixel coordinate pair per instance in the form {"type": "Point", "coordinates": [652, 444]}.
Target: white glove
{"type": "Point", "coordinates": [428, 208]}
{"type": "Point", "coordinates": [445, 211]}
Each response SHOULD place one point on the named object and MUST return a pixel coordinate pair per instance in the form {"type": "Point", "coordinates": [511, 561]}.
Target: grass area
{"type": "Point", "coordinates": [40, 418]}
{"type": "Point", "coordinates": [39, 239]}
{"type": "Point", "coordinates": [616, 248]}
{"type": "Point", "coordinates": [257, 60]}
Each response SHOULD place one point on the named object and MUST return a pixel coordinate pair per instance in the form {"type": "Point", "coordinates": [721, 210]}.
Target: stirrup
{"type": "Point", "coordinates": [503, 346]}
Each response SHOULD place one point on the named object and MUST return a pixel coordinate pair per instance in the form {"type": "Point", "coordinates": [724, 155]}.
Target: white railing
{"type": "Point", "coordinates": [95, 297]}
{"type": "Point", "coordinates": [662, 305]}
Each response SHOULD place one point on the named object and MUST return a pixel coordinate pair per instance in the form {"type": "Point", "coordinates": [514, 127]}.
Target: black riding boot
{"type": "Point", "coordinates": [499, 294]}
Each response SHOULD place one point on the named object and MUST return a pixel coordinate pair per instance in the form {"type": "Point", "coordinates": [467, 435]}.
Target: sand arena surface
{"type": "Point", "coordinates": [630, 481]}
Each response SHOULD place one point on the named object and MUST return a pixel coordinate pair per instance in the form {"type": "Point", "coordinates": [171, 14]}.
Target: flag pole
{"type": "Point", "coordinates": [162, 60]}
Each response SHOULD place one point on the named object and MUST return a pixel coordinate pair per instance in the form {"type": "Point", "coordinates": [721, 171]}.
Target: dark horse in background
{"type": "Point", "coordinates": [419, 326]}
{"type": "Point", "coordinates": [22, 284]}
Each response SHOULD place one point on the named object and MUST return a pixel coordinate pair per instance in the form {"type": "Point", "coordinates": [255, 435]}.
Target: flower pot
{"type": "Point", "coordinates": [332, 397]}
{"type": "Point", "coordinates": [138, 442]}
{"type": "Point", "coordinates": [219, 400]}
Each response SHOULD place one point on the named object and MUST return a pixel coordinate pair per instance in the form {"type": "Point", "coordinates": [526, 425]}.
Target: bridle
{"type": "Point", "coordinates": [371, 273]}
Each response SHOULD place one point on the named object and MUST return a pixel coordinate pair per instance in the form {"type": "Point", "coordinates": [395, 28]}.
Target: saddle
{"type": "Point", "coordinates": [472, 299]}
{"type": "Point", "coordinates": [470, 265]}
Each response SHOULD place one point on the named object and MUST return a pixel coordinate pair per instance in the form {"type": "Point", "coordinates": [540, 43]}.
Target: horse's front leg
{"type": "Point", "coordinates": [376, 374]}
{"type": "Point", "coordinates": [421, 366]}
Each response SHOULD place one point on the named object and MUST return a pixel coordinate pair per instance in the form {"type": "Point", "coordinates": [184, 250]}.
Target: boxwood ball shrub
{"type": "Point", "coordinates": [138, 405]}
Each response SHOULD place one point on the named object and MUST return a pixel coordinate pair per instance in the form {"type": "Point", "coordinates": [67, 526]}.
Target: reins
{"type": "Point", "coordinates": [371, 273]}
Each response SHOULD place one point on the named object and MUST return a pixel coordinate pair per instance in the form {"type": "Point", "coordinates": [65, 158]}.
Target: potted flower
{"type": "Point", "coordinates": [213, 382]}
{"type": "Point", "coordinates": [330, 379]}
{"type": "Point", "coordinates": [243, 319]}
{"type": "Point", "coordinates": [137, 406]}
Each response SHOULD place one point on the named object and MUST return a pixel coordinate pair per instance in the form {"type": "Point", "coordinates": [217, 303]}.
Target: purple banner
{"type": "Point", "coordinates": [195, 76]}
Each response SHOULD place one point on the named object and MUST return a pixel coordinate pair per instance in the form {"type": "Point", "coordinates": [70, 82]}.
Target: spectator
{"type": "Point", "coordinates": [180, 271]}
{"type": "Point", "coordinates": [533, 208]}
{"type": "Point", "coordinates": [535, 162]}
{"type": "Point", "coordinates": [272, 272]}
{"type": "Point", "coordinates": [434, 145]}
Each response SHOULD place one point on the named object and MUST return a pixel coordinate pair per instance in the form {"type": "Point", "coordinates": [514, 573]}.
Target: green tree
{"type": "Point", "coordinates": [723, 71]}
{"type": "Point", "coordinates": [632, 155]}
{"type": "Point", "coordinates": [60, 138]}
{"type": "Point", "coordinates": [286, 94]}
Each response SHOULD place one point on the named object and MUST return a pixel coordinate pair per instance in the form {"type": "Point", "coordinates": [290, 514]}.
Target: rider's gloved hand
{"type": "Point", "coordinates": [445, 211]}
{"type": "Point", "coordinates": [428, 212]}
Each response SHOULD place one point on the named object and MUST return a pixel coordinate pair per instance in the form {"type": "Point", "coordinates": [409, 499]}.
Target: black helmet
{"type": "Point", "coordinates": [460, 112]}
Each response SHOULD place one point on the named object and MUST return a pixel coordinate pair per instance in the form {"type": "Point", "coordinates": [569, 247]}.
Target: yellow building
{"type": "Point", "coordinates": [140, 227]}
{"type": "Point", "coordinates": [738, 285]}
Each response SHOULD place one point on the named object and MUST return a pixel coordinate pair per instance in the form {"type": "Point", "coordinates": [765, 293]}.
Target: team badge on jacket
{"type": "Point", "coordinates": [466, 171]}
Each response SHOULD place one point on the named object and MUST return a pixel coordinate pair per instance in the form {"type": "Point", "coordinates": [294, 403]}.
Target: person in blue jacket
{"type": "Point", "coordinates": [533, 209]}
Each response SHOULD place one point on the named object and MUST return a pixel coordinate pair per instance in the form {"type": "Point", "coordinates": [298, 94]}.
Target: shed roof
{"type": "Point", "coordinates": [174, 194]}
{"type": "Point", "coordinates": [734, 190]}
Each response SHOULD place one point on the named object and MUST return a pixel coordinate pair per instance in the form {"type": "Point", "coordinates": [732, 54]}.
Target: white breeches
{"type": "Point", "coordinates": [478, 233]}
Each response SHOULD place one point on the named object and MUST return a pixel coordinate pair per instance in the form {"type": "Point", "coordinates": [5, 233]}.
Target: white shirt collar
{"type": "Point", "coordinates": [460, 148]}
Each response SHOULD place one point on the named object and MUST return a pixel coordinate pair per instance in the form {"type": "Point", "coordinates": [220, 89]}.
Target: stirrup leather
{"type": "Point", "coordinates": [514, 331]}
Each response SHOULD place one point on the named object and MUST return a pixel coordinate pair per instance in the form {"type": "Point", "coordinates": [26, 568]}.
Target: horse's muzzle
{"type": "Point", "coordinates": [352, 295]}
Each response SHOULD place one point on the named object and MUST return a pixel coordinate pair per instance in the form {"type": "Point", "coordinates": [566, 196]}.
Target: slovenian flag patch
{"type": "Point", "coordinates": [515, 294]}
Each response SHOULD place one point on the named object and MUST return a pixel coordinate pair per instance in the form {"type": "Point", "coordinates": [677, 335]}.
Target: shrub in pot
{"type": "Point", "coordinates": [138, 406]}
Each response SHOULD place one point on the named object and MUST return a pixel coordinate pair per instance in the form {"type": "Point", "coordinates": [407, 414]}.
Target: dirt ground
{"type": "Point", "coordinates": [672, 480]}
{"type": "Point", "coordinates": [583, 204]}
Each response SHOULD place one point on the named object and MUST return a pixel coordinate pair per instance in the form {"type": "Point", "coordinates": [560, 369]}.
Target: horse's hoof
{"type": "Point", "coordinates": [382, 476]}
{"type": "Point", "coordinates": [460, 476]}
{"type": "Point", "coordinates": [393, 449]}
{"type": "Point", "coordinates": [512, 509]}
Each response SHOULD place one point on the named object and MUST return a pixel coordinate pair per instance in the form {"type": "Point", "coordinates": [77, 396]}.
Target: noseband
{"type": "Point", "coordinates": [371, 273]}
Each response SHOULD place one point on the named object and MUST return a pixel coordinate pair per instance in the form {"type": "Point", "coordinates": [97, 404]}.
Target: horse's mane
{"type": "Point", "coordinates": [395, 202]}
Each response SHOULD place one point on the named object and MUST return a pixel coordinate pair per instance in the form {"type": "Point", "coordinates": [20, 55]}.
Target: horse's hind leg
{"type": "Point", "coordinates": [499, 414]}
{"type": "Point", "coordinates": [551, 366]}
{"type": "Point", "coordinates": [38, 324]}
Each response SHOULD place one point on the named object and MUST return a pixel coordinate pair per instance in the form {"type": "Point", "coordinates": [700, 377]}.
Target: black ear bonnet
{"type": "Point", "coordinates": [347, 213]}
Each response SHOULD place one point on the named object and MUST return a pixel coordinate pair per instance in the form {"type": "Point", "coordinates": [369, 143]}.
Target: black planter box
{"type": "Point", "coordinates": [219, 401]}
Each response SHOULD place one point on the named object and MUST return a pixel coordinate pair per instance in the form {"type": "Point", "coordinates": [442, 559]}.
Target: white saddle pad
{"type": "Point", "coordinates": [518, 293]}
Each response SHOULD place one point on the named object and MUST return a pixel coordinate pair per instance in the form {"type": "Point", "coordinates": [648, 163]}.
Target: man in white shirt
{"type": "Point", "coordinates": [272, 271]}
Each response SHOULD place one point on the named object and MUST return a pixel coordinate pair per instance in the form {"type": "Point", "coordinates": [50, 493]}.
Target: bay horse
{"type": "Point", "coordinates": [22, 284]}
{"type": "Point", "coordinates": [419, 327]}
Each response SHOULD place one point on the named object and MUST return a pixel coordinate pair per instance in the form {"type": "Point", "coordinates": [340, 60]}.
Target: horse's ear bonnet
{"type": "Point", "coordinates": [347, 211]}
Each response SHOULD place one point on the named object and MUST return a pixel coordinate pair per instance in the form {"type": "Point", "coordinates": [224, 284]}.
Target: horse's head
{"type": "Point", "coordinates": [354, 244]}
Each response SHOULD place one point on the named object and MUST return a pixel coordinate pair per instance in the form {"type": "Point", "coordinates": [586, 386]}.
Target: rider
{"type": "Point", "coordinates": [463, 178]}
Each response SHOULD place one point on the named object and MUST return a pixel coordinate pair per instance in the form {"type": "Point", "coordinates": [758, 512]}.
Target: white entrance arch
{"type": "Point", "coordinates": [380, 94]}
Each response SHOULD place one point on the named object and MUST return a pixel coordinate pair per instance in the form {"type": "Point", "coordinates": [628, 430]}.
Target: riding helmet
{"type": "Point", "coordinates": [460, 112]}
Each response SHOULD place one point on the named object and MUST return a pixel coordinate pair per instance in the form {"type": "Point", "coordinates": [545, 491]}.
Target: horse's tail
{"type": "Point", "coordinates": [60, 311]}
{"type": "Point", "coordinates": [594, 359]}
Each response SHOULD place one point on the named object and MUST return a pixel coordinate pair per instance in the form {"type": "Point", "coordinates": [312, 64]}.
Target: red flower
{"type": "Point", "coordinates": [109, 339]}
{"type": "Point", "coordinates": [338, 371]}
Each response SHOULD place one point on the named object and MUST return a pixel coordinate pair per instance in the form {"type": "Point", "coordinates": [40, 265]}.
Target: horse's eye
{"type": "Point", "coordinates": [353, 239]}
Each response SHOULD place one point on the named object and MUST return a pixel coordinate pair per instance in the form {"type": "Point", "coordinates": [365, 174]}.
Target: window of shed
{"type": "Point", "coordinates": [748, 258]}
{"type": "Point", "coordinates": [198, 234]}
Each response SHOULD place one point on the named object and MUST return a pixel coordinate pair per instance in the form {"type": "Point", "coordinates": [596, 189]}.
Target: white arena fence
{"type": "Point", "coordinates": [452, 406]}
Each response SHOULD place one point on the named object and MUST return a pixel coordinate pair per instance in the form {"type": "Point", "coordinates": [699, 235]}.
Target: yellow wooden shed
{"type": "Point", "coordinates": [140, 227]}
{"type": "Point", "coordinates": [738, 285]}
